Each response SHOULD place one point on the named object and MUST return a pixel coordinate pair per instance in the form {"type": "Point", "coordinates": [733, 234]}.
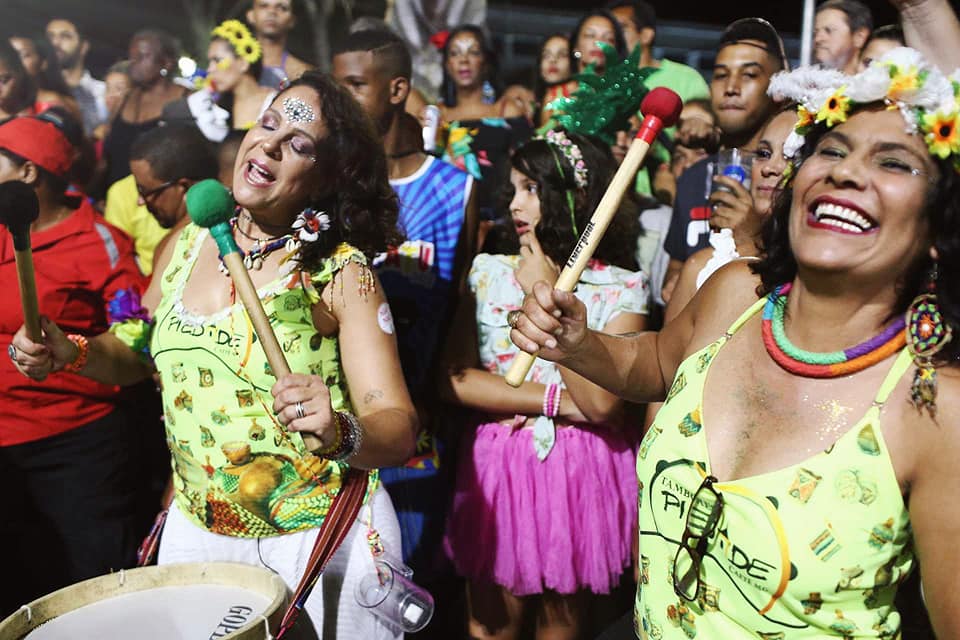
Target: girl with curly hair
{"type": "Point", "coordinates": [544, 503]}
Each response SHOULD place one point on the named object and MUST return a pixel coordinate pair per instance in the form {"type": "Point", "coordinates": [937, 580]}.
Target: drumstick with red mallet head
{"type": "Point", "coordinates": [19, 208]}
{"type": "Point", "coordinates": [661, 108]}
{"type": "Point", "coordinates": [211, 206]}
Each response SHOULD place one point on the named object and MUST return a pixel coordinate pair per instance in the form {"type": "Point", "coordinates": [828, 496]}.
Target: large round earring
{"type": "Point", "coordinates": [927, 334]}
{"type": "Point", "coordinates": [164, 72]}
{"type": "Point", "coordinates": [577, 55]}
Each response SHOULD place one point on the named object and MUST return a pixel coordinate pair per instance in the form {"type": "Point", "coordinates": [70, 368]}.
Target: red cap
{"type": "Point", "coordinates": [38, 141]}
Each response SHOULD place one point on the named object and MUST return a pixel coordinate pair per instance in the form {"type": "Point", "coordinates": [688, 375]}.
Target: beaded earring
{"type": "Point", "coordinates": [927, 335]}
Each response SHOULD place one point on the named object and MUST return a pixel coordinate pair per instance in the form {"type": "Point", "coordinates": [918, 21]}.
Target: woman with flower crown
{"type": "Point", "coordinates": [232, 98]}
{"type": "Point", "coordinates": [804, 459]}
{"type": "Point", "coordinates": [314, 207]}
{"type": "Point", "coordinates": [544, 505]}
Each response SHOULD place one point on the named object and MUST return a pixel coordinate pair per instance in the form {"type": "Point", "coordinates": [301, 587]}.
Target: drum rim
{"type": "Point", "coordinates": [50, 606]}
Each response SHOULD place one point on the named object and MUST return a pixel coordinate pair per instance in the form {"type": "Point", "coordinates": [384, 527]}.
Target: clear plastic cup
{"type": "Point", "coordinates": [392, 596]}
{"type": "Point", "coordinates": [733, 163]}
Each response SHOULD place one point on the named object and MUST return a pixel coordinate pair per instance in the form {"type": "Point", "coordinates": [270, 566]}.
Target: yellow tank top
{"type": "Point", "coordinates": [236, 470]}
{"type": "Point", "coordinates": [809, 551]}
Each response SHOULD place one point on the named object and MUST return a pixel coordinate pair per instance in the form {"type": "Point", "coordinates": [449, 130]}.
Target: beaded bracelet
{"type": "Point", "coordinates": [83, 350]}
{"type": "Point", "coordinates": [551, 400]}
{"type": "Point", "coordinates": [348, 440]}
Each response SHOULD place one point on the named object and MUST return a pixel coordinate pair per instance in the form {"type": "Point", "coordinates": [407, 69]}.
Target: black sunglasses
{"type": "Point", "coordinates": [702, 519]}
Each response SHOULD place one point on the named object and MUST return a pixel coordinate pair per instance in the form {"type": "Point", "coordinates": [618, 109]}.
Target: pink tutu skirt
{"type": "Point", "coordinates": [564, 524]}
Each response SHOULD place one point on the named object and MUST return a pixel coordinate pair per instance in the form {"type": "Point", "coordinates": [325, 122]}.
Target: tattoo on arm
{"type": "Point", "coordinates": [372, 395]}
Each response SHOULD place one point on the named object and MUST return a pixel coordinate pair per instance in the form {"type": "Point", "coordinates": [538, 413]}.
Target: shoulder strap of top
{"type": "Point", "coordinates": [896, 372]}
{"type": "Point", "coordinates": [753, 309]}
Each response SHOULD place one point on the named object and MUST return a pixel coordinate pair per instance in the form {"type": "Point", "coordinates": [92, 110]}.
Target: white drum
{"type": "Point", "coordinates": [191, 601]}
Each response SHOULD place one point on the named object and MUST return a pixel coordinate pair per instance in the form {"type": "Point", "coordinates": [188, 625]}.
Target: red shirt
{"type": "Point", "coordinates": [80, 265]}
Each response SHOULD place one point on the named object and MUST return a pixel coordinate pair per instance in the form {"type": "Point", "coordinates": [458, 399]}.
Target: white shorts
{"type": "Point", "coordinates": [331, 607]}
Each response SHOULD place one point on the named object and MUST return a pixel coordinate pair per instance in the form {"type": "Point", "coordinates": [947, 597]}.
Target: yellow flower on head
{"type": "Point", "coordinates": [835, 109]}
{"type": "Point", "coordinates": [239, 37]}
{"type": "Point", "coordinates": [903, 84]}
{"type": "Point", "coordinates": [941, 134]}
{"type": "Point", "coordinates": [805, 119]}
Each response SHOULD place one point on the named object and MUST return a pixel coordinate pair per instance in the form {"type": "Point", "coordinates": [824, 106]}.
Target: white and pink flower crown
{"type": "Point", "coordinates": [559, 140]}
{"type": "Point", "coordinates": [902, 79]}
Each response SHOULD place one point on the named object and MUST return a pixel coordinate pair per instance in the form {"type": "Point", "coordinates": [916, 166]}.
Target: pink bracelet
{"type": "Point", "coordinates": [551, 400]}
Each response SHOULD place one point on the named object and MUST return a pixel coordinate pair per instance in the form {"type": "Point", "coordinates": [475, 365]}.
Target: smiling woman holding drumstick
{"type": "Point", "coordinates": [65, 458]}
{"type": "Point", "coordinates": [804, 459]}
{"type": "Point", "coordinates": [246, 486]}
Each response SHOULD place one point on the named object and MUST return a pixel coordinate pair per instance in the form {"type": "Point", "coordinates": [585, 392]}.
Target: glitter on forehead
{"type": "Point", "coordinates": [297, 111]}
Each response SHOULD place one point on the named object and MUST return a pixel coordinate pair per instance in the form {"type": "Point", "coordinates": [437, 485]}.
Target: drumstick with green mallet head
{"type": "Point", "coordinates": [211, 206]}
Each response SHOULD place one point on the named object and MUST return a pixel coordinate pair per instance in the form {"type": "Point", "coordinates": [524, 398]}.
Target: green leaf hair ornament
{"type": "Point", "coordinates": [603, 104]}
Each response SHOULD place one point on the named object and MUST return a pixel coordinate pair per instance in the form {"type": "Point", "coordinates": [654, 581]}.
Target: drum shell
{"type": "Point", "coordinates": [94, 590]}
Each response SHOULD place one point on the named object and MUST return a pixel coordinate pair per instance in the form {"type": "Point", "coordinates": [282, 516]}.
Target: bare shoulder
{"type": "Point", "coordinates": [354, 289]}
{"type": "Point", "coordinates": [722, 299]}
{"type": "Point", "coordinates": [698, 261]}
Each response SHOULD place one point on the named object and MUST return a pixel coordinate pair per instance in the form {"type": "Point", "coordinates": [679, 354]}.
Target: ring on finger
{"type": "Point", "coordinates": [301, 412]}
{"type": "Point", "coordinates": [513, 318]}
{"type": "Point", "coordinates": [12, 352]}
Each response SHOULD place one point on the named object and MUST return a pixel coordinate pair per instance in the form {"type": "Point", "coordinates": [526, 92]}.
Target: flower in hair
{"type": "Point", "coordinates": [310, 224]}
{"type": "Point", "coordinates": [238, 35]}
{"type": "Point", "coordinates": [901, 79]}
{"type": "Point", "coordinates": [941, 133]}
{"type": "Point", "coordinates": [559, 140]}
{"type": "Point", "coordinates": [439, 39]}
{"type": "Point", "coordinates": [835, 109]}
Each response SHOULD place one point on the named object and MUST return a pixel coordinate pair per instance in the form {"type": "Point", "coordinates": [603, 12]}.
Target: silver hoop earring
{"type": "Point", "coordinates": [164, 72]}
{"type": "Point", "coordinates": [577, 55]}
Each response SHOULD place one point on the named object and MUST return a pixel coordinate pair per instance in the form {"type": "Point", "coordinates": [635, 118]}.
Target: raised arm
{"type": "Point", "coordinates": [639, 367]}
{"type": "Point", "coordinates": [931, 27]}
{"type": "Point", "coordinates": [109, 360]}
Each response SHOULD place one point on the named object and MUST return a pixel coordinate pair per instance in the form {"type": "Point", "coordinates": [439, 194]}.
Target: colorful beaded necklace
{"type": "Point", "coordinates": [824, 365]}
{"type": "Point", "coordinates": [262, 247]}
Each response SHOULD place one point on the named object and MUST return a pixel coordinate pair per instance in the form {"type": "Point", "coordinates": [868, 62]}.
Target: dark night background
{"type": "Point", "coordinates": [110, 22]}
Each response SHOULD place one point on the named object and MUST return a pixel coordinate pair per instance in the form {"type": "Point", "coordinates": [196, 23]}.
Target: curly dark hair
{"type": "Point", "coordinates": [540, 161]}
{"type": "Point", "coordinates": [448, 89]}
{"type": "Point", "coordinates": [362, 205]}
{"type": "Point", "coordinates": [942, 210]}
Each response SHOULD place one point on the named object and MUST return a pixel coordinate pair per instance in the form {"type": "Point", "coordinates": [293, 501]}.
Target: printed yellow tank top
{"type": "Point", "coordinates": [809, 551]}
{"type": "Point", "coordinates": [236, 470]}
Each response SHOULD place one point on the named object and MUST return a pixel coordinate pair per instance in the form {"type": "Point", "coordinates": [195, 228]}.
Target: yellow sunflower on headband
{"type": "Point", "coordinates": [240, 38]}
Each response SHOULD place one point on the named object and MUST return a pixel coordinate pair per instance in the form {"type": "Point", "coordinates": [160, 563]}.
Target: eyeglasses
{"type": "Point", "coordinates": [702, 519]}
{"type": "Point", "coordinates": [145, 195]}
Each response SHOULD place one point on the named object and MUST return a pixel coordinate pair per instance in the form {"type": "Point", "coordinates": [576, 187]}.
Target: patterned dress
{"type": "Point", "coordinates": [237, 471]}
{"type": "Point", "coordinates": [812, 550]}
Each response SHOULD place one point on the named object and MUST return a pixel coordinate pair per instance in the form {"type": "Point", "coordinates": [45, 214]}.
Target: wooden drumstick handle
{"type": "Point", "coordinates": [28, 293]}
{"type": "Point", "coordinates": [258, 317]}
{"type": "Point", "coordinates": [589, 239]}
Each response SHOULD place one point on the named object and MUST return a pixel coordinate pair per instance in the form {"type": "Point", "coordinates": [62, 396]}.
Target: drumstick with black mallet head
{"type": "Point", "coordinates": [661, 108]}
{"type": "Point", "coordinates": [211, 206]}
{"type": "Point", "coordinates": [19, 209]}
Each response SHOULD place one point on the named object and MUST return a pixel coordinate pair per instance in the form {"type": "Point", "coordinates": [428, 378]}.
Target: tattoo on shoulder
{"type": "Point", "coordinates": [371, 396]}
